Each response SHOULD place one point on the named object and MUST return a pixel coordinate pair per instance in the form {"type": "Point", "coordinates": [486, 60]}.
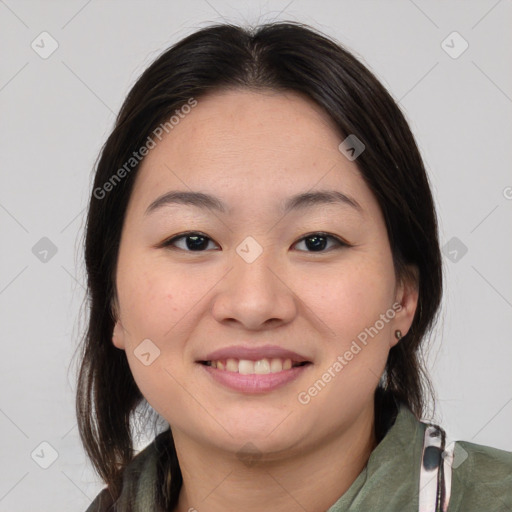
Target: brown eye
{"type": "Point", "coordinates": [193, 241]}
{"type": "Point", "coordinates": [317, 242]}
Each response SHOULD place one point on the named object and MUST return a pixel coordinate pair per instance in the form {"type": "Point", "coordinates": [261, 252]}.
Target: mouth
{"type": "Point", "coordinates": [254, 369]}
{"type": "Point", "coordinates": [262, 366]}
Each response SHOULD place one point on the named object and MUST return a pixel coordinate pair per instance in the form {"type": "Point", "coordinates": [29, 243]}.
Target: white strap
{"type": "Point", "coordinates": [435, 471]}
{"type": "Point", "coordinates": [447, 473]}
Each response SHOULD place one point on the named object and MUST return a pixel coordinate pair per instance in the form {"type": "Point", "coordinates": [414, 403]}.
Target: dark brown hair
{"type": "Point", "coordinates": [279, 57]}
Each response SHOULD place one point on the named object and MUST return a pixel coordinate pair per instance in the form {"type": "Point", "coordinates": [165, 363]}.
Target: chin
{"type": "Point", "coordinates": [270, 435]}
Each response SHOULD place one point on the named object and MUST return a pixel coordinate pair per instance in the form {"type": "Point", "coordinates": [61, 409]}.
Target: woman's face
{"type": "Point", "coordinates": [256, 287]}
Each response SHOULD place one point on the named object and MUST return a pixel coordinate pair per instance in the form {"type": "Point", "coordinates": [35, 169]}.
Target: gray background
{"type": "Point", "coordinates": [56, 114]}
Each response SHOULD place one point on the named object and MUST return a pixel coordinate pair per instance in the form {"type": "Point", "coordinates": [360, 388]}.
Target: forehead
{"type": "Point", "coordinates": [260, 145]}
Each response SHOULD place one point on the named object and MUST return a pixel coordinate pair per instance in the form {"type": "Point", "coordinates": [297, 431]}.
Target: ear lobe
{"type": "Point", "coordinates": [118, 336]}
{"type": "Point", "coordinates": [407, 295]}
{"type": "Point", "coordinates": [118, 333]}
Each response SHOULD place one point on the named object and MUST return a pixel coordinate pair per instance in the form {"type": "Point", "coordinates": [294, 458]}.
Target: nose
{"type": "Point", "coordinates": [257, 294]}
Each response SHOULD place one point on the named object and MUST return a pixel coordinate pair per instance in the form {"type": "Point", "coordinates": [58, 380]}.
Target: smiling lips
{"type": "Point", "coordinates": [259, 367]}
{"type": "Point", "coordinates": [254, 360]}
{"type": "Point", "coordinates": [251, 369]}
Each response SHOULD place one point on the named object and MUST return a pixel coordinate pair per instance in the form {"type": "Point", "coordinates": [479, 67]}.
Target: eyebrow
{"type": "Point", "coordinates": [297, 202]}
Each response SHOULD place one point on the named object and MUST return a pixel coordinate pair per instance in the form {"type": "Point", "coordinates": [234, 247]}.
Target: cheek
{"type": "Point", "coordinates": [163, 388]}
{"type": "Point", "coordinates": [350, 298]}
{"type": "Point", "coordinates": [350, 303]}
{"type": "Point", "coordinates": [154, 306]}
{"type": "Point", "coordinates": [154, 299]}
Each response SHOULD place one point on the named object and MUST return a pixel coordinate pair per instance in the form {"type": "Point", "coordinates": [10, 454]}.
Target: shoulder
{"type": "Point", "coordinates": [102, 503]}
{"type": "Point", "coordinates": [138, 483]}
{"type": "Point", "coordinates": [481, 478]}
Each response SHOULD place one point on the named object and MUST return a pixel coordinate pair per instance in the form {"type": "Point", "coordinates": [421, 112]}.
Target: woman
{"type": "Point", "coordinates": [264, 267]}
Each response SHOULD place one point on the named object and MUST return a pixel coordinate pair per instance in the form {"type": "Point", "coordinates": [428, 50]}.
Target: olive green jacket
{"type": "Point", "coordinates": [481, 477]}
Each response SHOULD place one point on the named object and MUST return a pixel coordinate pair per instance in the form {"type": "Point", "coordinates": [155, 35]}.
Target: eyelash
{"type": "Point", "coordinates": [340, 243]}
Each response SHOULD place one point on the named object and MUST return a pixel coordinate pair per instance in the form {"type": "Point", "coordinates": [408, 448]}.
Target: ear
{"type": "Point", "coordinates": [406, 302]}
{"type": "Point", "coordinates": [118, 335]}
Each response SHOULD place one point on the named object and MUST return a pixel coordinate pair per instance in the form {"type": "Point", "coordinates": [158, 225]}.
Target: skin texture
{"type": "Point", "coordinates": [253, 150]}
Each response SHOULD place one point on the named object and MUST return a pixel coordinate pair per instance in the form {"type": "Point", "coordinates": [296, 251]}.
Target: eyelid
{"type": "Point", "coordinates": [167, 243]}
{"type": "Point", "coordinates": [339, 241]}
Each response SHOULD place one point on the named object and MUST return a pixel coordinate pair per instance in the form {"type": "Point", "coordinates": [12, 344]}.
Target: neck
{"type": "Point", "coordinates": [310, 480]}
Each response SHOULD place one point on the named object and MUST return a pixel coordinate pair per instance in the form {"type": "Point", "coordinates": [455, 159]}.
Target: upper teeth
{"type": "Point", "coordinates": [245, 366]}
